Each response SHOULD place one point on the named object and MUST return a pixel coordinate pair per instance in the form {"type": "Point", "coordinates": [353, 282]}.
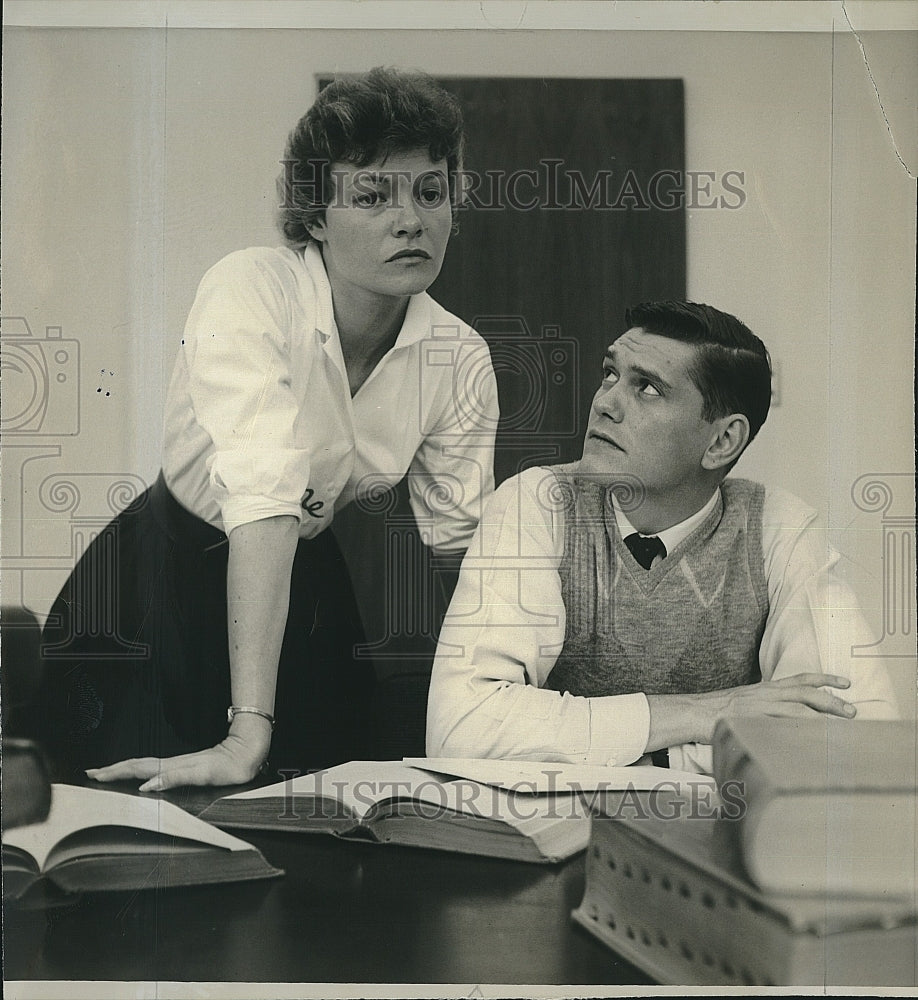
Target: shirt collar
{"type": "Point", "coordinates": [415, 326]}
{"type": "Point", "coordinates": [672, 536]}
{"type": "Point", "coordinates": [315, 268]}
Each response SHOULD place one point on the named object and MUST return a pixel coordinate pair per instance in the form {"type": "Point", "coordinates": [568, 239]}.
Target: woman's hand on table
{"type": "Point", "coordinates": [234, 761]}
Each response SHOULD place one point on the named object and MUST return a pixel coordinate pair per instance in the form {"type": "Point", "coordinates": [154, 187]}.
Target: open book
{"type": "Point", "coordinates": [552, 776]}
{"type": "Point", "coordinates": [96, 839]}
{"type": "Point", "coordinates": [426, 805]}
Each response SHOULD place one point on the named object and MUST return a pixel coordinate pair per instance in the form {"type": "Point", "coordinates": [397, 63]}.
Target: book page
{"type": "Point", "coordinates": [358, 785]}
{"type": "Point", "coordinates": [550, 776]}
{"type": "Point", "coordinates": [557, 824]}
{"type": "Point", "coordinates": [74, 808]}
{"type": "Point", "coordinates": [472, 798]}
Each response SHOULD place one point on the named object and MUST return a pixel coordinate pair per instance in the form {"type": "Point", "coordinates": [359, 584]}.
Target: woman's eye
{"type": "Point", "coordinates": [649, 389]}
{"type": "Point", "coordinates": [431, 195]}
{"type": "Point", "coordinates": [368, 199]}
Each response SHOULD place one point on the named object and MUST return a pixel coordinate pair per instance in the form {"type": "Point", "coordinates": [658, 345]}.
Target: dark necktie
{"type": "Point", "coordinates": [645, 548]}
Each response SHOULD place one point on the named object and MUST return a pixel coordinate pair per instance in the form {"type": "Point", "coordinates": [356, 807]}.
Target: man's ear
{"type": "Point", "coordinates": [731, 435]}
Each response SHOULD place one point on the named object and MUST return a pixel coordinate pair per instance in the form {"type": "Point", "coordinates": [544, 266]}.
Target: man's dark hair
{"type": "Point", "coordinates": [732, 370]}
{"type": "Point", "coordinates": [362, 120]}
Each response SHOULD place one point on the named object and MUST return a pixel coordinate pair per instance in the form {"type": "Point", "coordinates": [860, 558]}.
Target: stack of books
{"type": "Point", "coordinates": [801, 874]}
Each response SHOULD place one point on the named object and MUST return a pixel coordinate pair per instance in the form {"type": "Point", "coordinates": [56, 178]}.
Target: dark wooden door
{"type": "Point", "coordinates": [561, 233]}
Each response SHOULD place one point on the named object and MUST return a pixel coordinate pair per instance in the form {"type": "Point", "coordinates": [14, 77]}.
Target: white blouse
{"type": "Point", "coordinates": [259, 419]}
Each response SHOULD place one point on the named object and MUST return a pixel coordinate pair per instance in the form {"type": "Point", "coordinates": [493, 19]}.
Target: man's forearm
{"type": "Point", "coordinates": [681, 718]}
{"type": "Point", "coordinates": [690, 718]}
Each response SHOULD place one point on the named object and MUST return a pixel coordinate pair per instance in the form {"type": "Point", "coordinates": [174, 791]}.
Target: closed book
{"type": "Point", "coordinates": [390, 802]}
{"type": "Point", "coordinates": [830, 804]}
{"type": "Point", "coordinates": [671, 896]}
{"type": "Point", "coordinates": [96, 839]}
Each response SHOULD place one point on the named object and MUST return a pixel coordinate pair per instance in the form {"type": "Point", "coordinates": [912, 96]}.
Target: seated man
{"type": "Point", "coordinates": [574, 637]}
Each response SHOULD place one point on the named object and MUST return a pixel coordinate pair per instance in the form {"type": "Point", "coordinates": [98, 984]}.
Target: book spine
{"type": "Point", "coordinates": [679, 924]}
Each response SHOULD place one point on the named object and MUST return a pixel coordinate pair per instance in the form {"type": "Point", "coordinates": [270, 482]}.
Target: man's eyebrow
{"type": "Point", "coordinates": [651, 376]}
{"type": "Point", "coordinates": [639, 370]}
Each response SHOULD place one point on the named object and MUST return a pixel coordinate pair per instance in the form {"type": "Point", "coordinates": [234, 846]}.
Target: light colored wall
{"type": "Point", "coordinates": [134, 159]}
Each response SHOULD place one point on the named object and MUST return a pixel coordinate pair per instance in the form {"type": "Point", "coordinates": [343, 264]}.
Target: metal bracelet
{"type": "Point", "coordinates": [235, 710]}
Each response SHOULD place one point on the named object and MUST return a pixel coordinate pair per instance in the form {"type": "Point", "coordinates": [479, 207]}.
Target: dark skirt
{"type": "Point", "coordinates": [136, 658]}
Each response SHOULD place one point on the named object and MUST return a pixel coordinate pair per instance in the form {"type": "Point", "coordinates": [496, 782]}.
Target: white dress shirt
{"type": "Point", "coordinates": [259, 419]}
{"type": "Point", "coordinates": [672, 536]}
{"type": "Point", "coordinates": [506, 624]}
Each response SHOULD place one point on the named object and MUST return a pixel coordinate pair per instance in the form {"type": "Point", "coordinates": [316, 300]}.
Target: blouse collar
{"type": "Point", "coordinates": [415, 326]}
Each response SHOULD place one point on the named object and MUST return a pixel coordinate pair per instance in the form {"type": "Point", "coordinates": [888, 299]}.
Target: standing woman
{"type": "Point", "coordinates": [302, 376]}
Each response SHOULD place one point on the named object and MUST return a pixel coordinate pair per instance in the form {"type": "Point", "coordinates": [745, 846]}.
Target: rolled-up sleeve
{"type": "Point", "coordinates": [237, 353]}
{"type": "Point", "coordinates": [452, 473]}
{"type": "Point", "coordinates": [500, 640]}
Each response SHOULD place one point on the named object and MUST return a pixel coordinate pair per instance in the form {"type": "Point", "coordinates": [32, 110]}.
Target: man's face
{"type": "Point", "coordinates": [646, 418]}
{"type": "Point", "coordinates": [386, 229]}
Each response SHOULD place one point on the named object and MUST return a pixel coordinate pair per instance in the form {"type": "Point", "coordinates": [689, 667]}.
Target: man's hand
{"type": "Point", "coordinates": [690, 718]}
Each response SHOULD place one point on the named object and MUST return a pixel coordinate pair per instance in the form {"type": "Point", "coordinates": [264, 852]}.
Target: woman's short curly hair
{"type": "Point", "coordinates": [362, 120]}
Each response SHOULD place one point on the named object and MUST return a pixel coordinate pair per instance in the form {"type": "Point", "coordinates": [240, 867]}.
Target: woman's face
{"type": "Point", "coordinates": [387, 226]}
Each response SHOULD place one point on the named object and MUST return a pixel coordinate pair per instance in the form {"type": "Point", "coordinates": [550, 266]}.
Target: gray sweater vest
{"type": "Point", "coordinates": [692, 623]}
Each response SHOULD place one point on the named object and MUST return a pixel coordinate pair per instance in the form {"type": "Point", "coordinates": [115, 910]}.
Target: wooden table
{"type": "Point", "coordinates": [346, 912]}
